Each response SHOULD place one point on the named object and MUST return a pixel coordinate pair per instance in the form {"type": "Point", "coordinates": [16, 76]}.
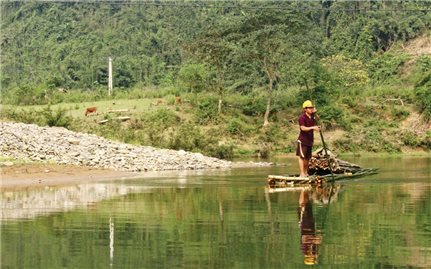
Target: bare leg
{"type": "Point", "coordinates": [306, 162]}
{"type": "Point", "coordinates": [301, 167]}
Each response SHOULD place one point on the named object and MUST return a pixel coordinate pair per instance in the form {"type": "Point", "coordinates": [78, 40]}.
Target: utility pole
{"type": "Point", "coordinates": [110, 76]}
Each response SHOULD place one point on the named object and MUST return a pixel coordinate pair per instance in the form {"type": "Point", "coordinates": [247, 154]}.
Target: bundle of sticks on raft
{"type": "Point", "coordinates": [323, 161]}
{"type": "Point", "coordinates": [324, 167]}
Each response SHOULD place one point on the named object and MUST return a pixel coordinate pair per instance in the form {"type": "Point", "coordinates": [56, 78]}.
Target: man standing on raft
{"type": "Point", "coordinates": [307, 125]}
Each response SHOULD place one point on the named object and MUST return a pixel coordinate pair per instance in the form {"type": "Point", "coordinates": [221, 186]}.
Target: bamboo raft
{"type": "Point", "coordinates": [322, 169]}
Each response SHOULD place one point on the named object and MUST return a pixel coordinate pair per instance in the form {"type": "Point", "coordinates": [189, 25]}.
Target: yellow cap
{"type": "Point", "coordinates": [307, 103]}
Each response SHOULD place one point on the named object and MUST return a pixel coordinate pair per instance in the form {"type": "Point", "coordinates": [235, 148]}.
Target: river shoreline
{"type": "Point", "coordinates": [47, 156]}
{"type": "Point", "coordinates": [17, 174]}
{"type": "Point", "coordinates": [21, 175]}
{"type": "Point", "coordinates": [34, 155]}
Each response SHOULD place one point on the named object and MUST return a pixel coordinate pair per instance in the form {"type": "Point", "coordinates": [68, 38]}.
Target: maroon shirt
{"type": "Point", "coordinates": [306, 137]}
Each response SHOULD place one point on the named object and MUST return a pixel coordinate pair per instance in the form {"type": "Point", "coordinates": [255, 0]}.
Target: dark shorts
{"type": "Point", "coordinates": [303, 151]}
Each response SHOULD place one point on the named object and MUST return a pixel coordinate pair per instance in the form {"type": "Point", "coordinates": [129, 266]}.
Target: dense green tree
{"type": "Point", "coordinates": [272, 42]}
{"type": "Point", "coordinates": [213, 50]}
{"type": "Point", "coordinates": [194, 77]}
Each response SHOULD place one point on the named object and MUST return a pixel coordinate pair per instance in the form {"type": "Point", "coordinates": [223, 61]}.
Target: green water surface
{"type": "Point", "coordinates": [225, 219]}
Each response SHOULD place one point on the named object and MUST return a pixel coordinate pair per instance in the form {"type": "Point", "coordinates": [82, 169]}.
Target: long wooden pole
{"type": "Point", "coordinates": [326, 154]}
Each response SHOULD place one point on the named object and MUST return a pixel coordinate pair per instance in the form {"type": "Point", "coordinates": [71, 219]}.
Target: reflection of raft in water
{"type": "Point", "coordinates": [320, 173]}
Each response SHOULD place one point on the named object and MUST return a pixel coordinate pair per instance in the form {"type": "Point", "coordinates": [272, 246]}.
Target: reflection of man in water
{"type": "Point", "coordinates": [309, 239]}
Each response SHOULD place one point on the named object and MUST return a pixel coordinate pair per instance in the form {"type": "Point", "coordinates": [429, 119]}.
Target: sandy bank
{"type": "Point", "coordinates": [28, 175]}
{"type": "Point", "coordinates": [40, 174]}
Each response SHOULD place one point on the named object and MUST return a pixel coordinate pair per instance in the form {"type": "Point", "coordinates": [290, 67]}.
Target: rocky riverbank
{"type": "Point", "coordinates": [61, 146]}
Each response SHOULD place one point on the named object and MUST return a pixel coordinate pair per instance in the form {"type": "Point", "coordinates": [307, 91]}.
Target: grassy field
{"type": "Point", "coordinates": [77, 110]}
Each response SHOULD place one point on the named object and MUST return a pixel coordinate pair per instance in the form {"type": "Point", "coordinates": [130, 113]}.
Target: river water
{"type": "Point", "coordinates": [225, 219]}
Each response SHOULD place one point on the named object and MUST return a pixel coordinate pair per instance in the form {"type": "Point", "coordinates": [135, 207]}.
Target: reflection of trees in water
{"type": "Point", "coordinates": [325, 194]}
{"type": "Point", "coordinates": [34, 202]}
{"type": "Point", "coordinates": [218, 225]}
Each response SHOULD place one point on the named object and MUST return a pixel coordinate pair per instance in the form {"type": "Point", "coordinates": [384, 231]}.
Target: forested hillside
{"type": "Point", "coordinates": [241, 65]}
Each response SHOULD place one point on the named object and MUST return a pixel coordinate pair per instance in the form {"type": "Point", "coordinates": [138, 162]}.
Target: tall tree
{"type": "Point", "coordinates": [267, 39]}
{"type": "Point", "coordinates": [213, 50]}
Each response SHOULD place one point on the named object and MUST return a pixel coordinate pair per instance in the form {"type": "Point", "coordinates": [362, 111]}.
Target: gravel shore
{"type": "Point", "coordinates": [61, 146]}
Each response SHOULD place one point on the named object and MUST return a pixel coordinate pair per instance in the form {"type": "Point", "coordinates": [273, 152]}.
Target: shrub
{"type": "Point", "coordinates": [331, 115]}
{"type": "Point", "coordinates": [264, 150]}
{"type": "Point", "coordinates": [423, 95]}
{"type": "Point", "coordinates": [156, 123]}
{"type": "Point", "coordinates": [111, 129]}
{"type": "Point", "coordinates": [282, 100]}
{"type": "Point", "coordinates": [206, 109]}
{"type": "Point", "coordinates": [320, 95]}
{"type": "Point", "coordinates": [399, 113]}
{"type": "Point", "coordinates": [268, 139]}
{"type": "Point", "coordinates": [346, 144]}
{"type": "Point", "coordinates": [348, 72]}
{"type": "Point", "coordinates": [378, 125]}
{"type": "Point", "coordinates": [386, 66]}
{"type": "Point", "coordinates": [370, 139]}
{"type": "Point", "coordinates": [190, 138]}
{"type": "Point", "coordinates": [410, 139]}
{"type": "Point", "coordinates": [221, 151]}
{"type": "Point", "coordinates": [56, 118]}
{"type": "Point", "coordinates": [19, 115]}
{"type": "Point", "coordinates": [254, 104]}
{"type": "Point", "coordinates": [193, 77]}
{"type": "Point", "coordinates": [421, 66]}
{"type": "Point", "coordinates": [423, 63]}
{"type": "Point", "coordinates": [187, 137]}
{"type": "Point", "coordinates": [271, 135]}
{"type": "Point", "coordinates": [351, 101]}
{"type": "Point", "coordinates": [162, 117]}
{"type": "Point", "coordinates": [236, 126]}
{"type": "Point", "coordinates": [42, 118]}
{"type": "Point", "coordinates": [21, 95]}
{"type": "Point", "coordinates": [426, 141]}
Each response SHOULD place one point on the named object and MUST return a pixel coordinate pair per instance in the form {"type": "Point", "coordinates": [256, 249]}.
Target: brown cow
{"type": "Point", "coordinates": [91, 110]}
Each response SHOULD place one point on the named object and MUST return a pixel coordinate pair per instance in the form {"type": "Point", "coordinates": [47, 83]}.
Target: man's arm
{"type": "Point", "coordinates": [306, 129]}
